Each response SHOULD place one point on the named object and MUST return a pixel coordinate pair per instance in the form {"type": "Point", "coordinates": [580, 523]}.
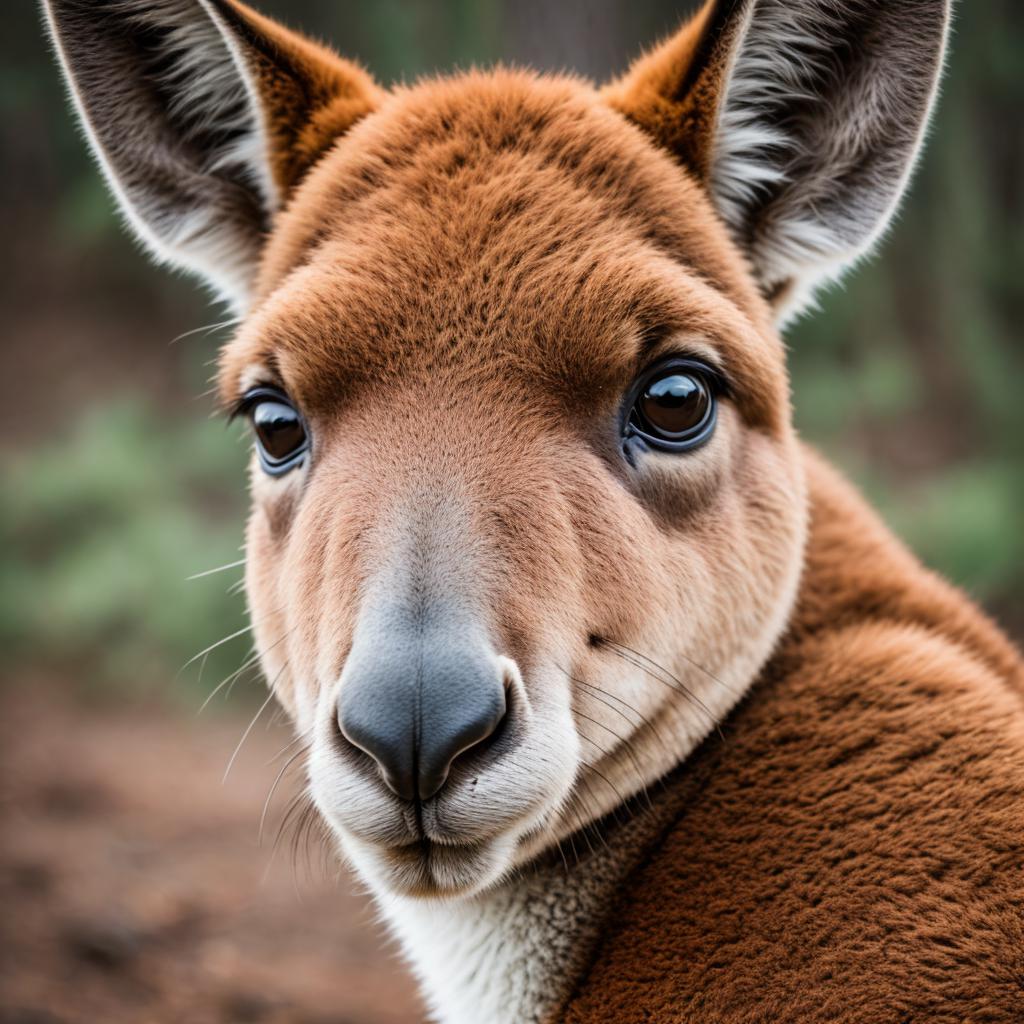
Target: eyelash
{"type": "Point", "coordinates": [242, 406]}
{"type": "Point", "coordinates": [272, 463]}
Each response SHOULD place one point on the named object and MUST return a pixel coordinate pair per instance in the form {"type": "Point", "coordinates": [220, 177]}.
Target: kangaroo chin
{"type": "Point", "coordinates": [620, 701]}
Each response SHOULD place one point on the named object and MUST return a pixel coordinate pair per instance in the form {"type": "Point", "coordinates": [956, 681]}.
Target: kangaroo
{"type": "Point", "coordinates": [623, 703]}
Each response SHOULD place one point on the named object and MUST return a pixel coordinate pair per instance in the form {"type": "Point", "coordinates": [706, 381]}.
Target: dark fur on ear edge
{"type": "Point", "coordinates": [803, 118]}
{"type": "Point", "coordinates": [203, 115]}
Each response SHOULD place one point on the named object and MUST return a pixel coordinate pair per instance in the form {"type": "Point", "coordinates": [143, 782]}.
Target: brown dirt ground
{"type": "Point", "coordinates": [133, 889]}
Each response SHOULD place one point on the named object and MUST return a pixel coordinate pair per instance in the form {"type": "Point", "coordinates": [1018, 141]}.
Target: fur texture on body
{"type": "Point", "coordinates": [852, 849]}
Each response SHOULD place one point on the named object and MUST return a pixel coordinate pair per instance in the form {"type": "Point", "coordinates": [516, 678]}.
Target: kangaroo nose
{"type": "Point", "coordinates": [415, 700]}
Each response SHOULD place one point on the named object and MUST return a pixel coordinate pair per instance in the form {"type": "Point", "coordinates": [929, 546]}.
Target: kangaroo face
{"type": "Point", "coordinates": [495, 578]}
{"type": "Point", "coordinates": [528, 511]}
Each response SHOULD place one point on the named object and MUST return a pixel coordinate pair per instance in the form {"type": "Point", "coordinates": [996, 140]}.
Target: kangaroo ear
{"type": "Point", "coordinates": [203, 115]}
{"type": "Point", "coordinates": [802, 118]}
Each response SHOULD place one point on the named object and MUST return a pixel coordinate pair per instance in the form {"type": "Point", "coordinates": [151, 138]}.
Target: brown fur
{"type": "Point", "coordinates": [513, 246]}
{"type": "Point", "coordinates": [852, 849]}
{"type": "Point", "coordinates": [674, 91]}
{"type": "Point", "coordinates": [310, 95]}
{"type": "Point", "coordinates": [466, 278]}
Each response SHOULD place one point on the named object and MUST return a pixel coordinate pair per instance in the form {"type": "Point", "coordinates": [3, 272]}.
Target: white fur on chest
{"type": "Point", "coordinates": [513, 954]}
{"type": "Point", "coordinates": [503, 958]}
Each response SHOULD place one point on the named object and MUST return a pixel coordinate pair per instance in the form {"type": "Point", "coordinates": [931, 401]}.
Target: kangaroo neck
{"type": "Point", "coordinates": [513, 954]}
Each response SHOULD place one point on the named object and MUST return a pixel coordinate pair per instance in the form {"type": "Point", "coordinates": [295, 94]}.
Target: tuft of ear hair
{"type": "Point", "coordinates": [802, 118]}
{"type": "Point", "coordinates": [203, 115]}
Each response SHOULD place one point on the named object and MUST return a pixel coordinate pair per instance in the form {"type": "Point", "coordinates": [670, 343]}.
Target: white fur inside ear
{"type": "Point", "coordinates": [218, 121]}
{"type": "Point", "coordinates": [799, 114]}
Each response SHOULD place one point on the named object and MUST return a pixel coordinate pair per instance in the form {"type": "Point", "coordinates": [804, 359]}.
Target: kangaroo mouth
{"type": "Point", "coordinates": [426, 869]}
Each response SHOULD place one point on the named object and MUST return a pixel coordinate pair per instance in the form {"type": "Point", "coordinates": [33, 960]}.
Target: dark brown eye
{"type": "Point", "coordinates": [281, 438]}
{"type": "Point", "coordinates": [674, 406]}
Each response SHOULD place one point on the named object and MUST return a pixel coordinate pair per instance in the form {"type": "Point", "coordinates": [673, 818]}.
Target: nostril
{"type": "Point", "coordinates": [346, 742]}
{"type": "Point", "coordinates": [381, 739]}
{"type": "Point", "coordinates": [464, 734]}
{"type": "Point", "coordinates": [488, 743]}
{"type": "Point", "coordinates": [413, 727]}
{"type": "Point", "coordinates": [503, 725]}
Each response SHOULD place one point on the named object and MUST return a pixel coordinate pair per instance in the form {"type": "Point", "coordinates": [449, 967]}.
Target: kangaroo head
{"type": "Point", "coordinates": [528, 512]}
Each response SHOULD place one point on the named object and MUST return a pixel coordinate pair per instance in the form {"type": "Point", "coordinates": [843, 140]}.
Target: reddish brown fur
{"type": "Point", "coordinates": [474, 219]}
{"type": "Point", "coordinates": [674, 91]}
{"type": "Point", "coordinates": [468, 276]}
{"type": "Point", "coordinates": [310, 95]}
{"type": "Point", "coordinates": [852, 850]}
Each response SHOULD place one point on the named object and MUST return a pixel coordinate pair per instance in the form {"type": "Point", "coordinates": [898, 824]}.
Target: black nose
{"type": "Point", "coordinates": [416, 698]}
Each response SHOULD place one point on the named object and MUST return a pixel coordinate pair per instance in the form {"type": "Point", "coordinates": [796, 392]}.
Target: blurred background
{"type": "Point", "coordinates": [133, 882]}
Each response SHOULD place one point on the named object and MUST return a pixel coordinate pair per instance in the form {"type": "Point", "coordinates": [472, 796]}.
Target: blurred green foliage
{"type": "Point", "coordinates": [100, 533]}
{"type": "Point", "coordinates": [117, 487]}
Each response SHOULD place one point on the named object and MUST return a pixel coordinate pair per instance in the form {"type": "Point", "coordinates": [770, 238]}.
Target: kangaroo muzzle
{"type": "Point", "coordinates": [421, 687]}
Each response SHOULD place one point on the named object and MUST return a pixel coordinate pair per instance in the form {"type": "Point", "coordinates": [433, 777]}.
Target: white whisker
{"type": "Point", "coordinates": [253, 657]}
{"type": "Point", "coordinates": [211, 572]}
{"type": "Point", "coordinates": [245, 735]}
{"type": "Point", "coordinates": [270, 796]}
{"type": "Point", "coordinates": [213, 647]}
{"type": "Point", "coordinates": [231, 322]}
{"type": "Point", "coordinates": [291, 743]}
{"type": "Point", "coordinates": [248, 663]}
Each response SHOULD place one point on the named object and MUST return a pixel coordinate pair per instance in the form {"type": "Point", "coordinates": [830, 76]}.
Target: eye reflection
{"type": "Point", "coordinates": [674, 406]}
{"type": "Point", "coordinates": [281, 436]}
{"type": "Point", "coordinates": [278, 428]}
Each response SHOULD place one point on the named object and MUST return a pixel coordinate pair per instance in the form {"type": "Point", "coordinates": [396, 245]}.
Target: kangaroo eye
{"type": "Point", "coordinates": [281, 438]}
{"type": "Point", "coordinates": [673, 406]}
